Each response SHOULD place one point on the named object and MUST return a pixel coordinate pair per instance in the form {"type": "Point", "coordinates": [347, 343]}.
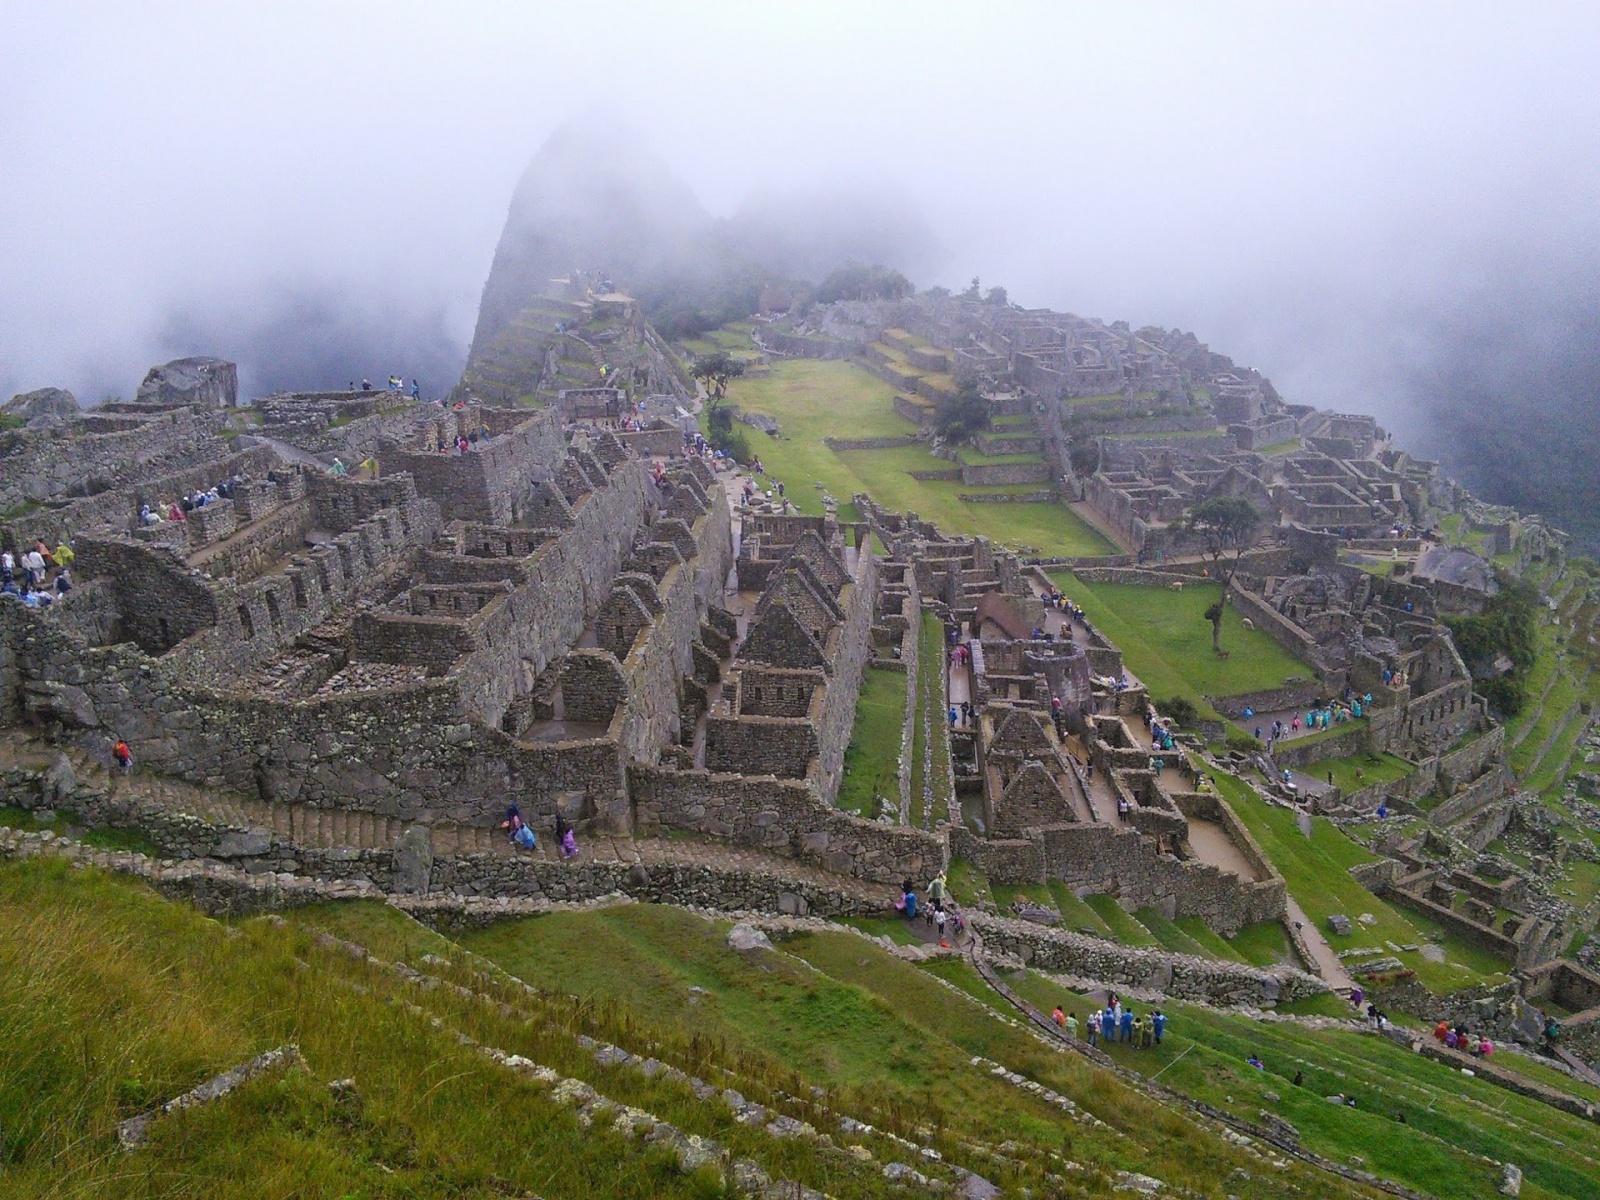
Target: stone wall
{"type": "Point", "coordinates": [118, 508]}
{"type": "Point", "coordinates": [784, 816]}
{"type": "Point", "coordinates": [1005, 473]}
{"type": "Point", "coordinates": [490, 482]}
{"type": "Point", "coordinates": [48, 464]}
{"type": "Point", "coordinates": [557, 591]}
{"type": "Point", "coordinates": [1179, 976]}
{"type": "Point", "coordinates": [837, 718]}
{"type": "Point", "coordinates": [650, 716]}
{"type": "Point", "coordinates": [1119, 861]}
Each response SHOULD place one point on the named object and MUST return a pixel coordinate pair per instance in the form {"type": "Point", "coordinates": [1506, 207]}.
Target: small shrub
{"type": "Point", "coordinates": [1243, 743]}
{"type": "Point", "coordinates": [1182, 711]}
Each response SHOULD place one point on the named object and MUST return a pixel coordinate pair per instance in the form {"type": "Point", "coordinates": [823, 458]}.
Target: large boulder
{"type": "Point", "coordinates": [43, 408]}
{"type": "Point", "coordinates": [747, 937]}
{"type": "Point", "coordinates": [46, 700]}
{"type": "Point", "coordinates": [201, 382]}
{"type": "Point", "coordinates": [413, 861]}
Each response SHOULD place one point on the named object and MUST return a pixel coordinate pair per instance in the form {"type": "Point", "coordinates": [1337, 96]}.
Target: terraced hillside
{"type": "Point", "coordinates": [631, 1051]}
{"type": "Point", "coordinates": [814, 399]}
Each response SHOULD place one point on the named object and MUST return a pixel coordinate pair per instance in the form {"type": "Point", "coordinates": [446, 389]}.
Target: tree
{"type": "Point", "coordinates": [959, 416]}
{"type": "Point", "coordinates": [715, 371]}
{"type": "Point", "coordinates": [1084, 454]}
{"type": "Point", "coordinates": [997, 296]}
{"type": "Point", "coordinates": [1226, 525]}
{"type": "Point", "coordinates": [857, 281]}
{"type": "Point", "coordinates": [973, 291]}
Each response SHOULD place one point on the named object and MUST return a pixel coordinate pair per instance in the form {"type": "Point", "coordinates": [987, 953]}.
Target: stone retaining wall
{"type": "Point", "coordinates": [870, 443]}
{"type": "Point", "coordinates": [1180, 976]}
{"type": "Point", "coordinates": [783, 816]}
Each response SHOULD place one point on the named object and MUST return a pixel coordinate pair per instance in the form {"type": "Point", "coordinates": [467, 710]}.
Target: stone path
{"type": "Point", "coordinates": [1327, 962]}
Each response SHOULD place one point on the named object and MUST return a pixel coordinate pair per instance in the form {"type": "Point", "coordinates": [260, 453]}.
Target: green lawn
{"type": "Point", "coordinates": [814, 399]}
{"type": "Point", "coordinates": [872, 760]}
{"type": "Point", "coordinates": [931, 667]}
{"type": "Point", "coordinates": [1166, 641]}
{"type": "Point", "coordinates": [1373, 768]}
{"type": "Point", "coordinates": [1317, 872]}
{"type": "Point", "coordinates": [1125, 928]}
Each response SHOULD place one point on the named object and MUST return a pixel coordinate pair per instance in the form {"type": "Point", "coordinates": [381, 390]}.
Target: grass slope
{"type": "Point", "coordinates": [813, 399]}
{"type": "Point", "coordinates": [1449, 1119]}
{"type": "Point", "coordinates": [1317, 872]}
{"type": "Point", "coordinates": [1166, 641]}
{"type": "Point", "coordinates": [872, 760]}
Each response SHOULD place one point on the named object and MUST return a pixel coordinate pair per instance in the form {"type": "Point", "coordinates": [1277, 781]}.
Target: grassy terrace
{"type": "Point", "coordinates": [872, 760]}
{"type": "Point", "coordinates": [1415, 1121]}
{"type": "Point", "coordinates": [813, 399]}
{"type": "Point", "coordinates": [1317, 872]}
{"type": "Point", "coordinates": [930, 704]}
{"type": "Point", "coordinates": [1359, 771]}
{"type": "Point", "coordinates": [1166, 641]}
{"type": "Point", "coordinates": [832, 1010]}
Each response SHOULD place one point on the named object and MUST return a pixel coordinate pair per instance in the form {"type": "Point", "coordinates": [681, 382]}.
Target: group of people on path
{"type": "Point", "coordinates": [1456, 1037]}
{"type": "Point", "coordinates": [1074, 615]}
{"type": "Point", "coordinates": [521, 835]}
{"type": "Point", "coordinates": [37, 587]}
{"type": "Point", "coordinates": [1115, 1023]}
{"type": "Point", "coordinates": [940, 912]}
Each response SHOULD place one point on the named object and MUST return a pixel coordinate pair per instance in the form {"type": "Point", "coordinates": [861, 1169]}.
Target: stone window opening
{"type": "Point", "coordinates": [246, 624]}
{"type": "Point", "coordinates": [273, 615]}
{"type": "Point", "coordinates": [299, 590]}
{"type": "Point", "coordinates": [166, 631]}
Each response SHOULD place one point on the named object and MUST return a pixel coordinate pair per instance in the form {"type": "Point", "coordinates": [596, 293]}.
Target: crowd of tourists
{"type": "Point", "coordinates": [1114, 1023]}
{"type": "Point", "coordinates": [39, 575]}
{"type": "Point", "coordinates": [163, 511]}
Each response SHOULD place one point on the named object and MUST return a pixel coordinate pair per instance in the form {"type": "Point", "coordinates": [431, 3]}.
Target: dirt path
{"type": "Point", "coordinates": [1327, 962]}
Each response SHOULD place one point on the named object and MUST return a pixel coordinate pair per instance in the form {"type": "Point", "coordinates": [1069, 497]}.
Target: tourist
{"type": "Point", "coordinates": [416, 390]}
{"type": "Point", "coordinates": [1158, 1025]}
{"type": "Point", "coordinates": [1072, 1026]}
{"type": "Point", "coordinates": [1059, 1016]}
{"type": "Point", "coordinates": [939, 919]}
{"type": "Point", "coordinates": [1126, 1024]}
{"type": "Point", "coordinates": [1485, 1046]}
{"type": "Point", "coordinates": [33, 562]}
{"type": "Point", "coordinates": [1091, 1029]}
{"type": "Point", "coordinates": [1108, 1025]}
{"type": "Point", "coordinates": [1255, 1061]}
{"type": "Point", "coordinates": [175, 512]}
{"type": "Point", "coordinates": [123, 755]}
{"type": "Point", "coordinates": [8, 566]}
{"type": "Point", "coordinates": [64, 582]}
{"type": "Point", "coordinates": [908, 901]}
{"type": "Point", "coordinates": [1299, 1079]}
{"type": "Point", "coordinates": [937, 890]}
{"type": "Point", "coordinates": [1441, 1031]}
{"type": "Point", "coordinates": [569, 845]}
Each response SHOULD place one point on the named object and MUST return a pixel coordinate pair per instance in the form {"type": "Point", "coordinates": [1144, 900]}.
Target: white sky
{"type": "Point", "coordinates": [1305, 188]}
